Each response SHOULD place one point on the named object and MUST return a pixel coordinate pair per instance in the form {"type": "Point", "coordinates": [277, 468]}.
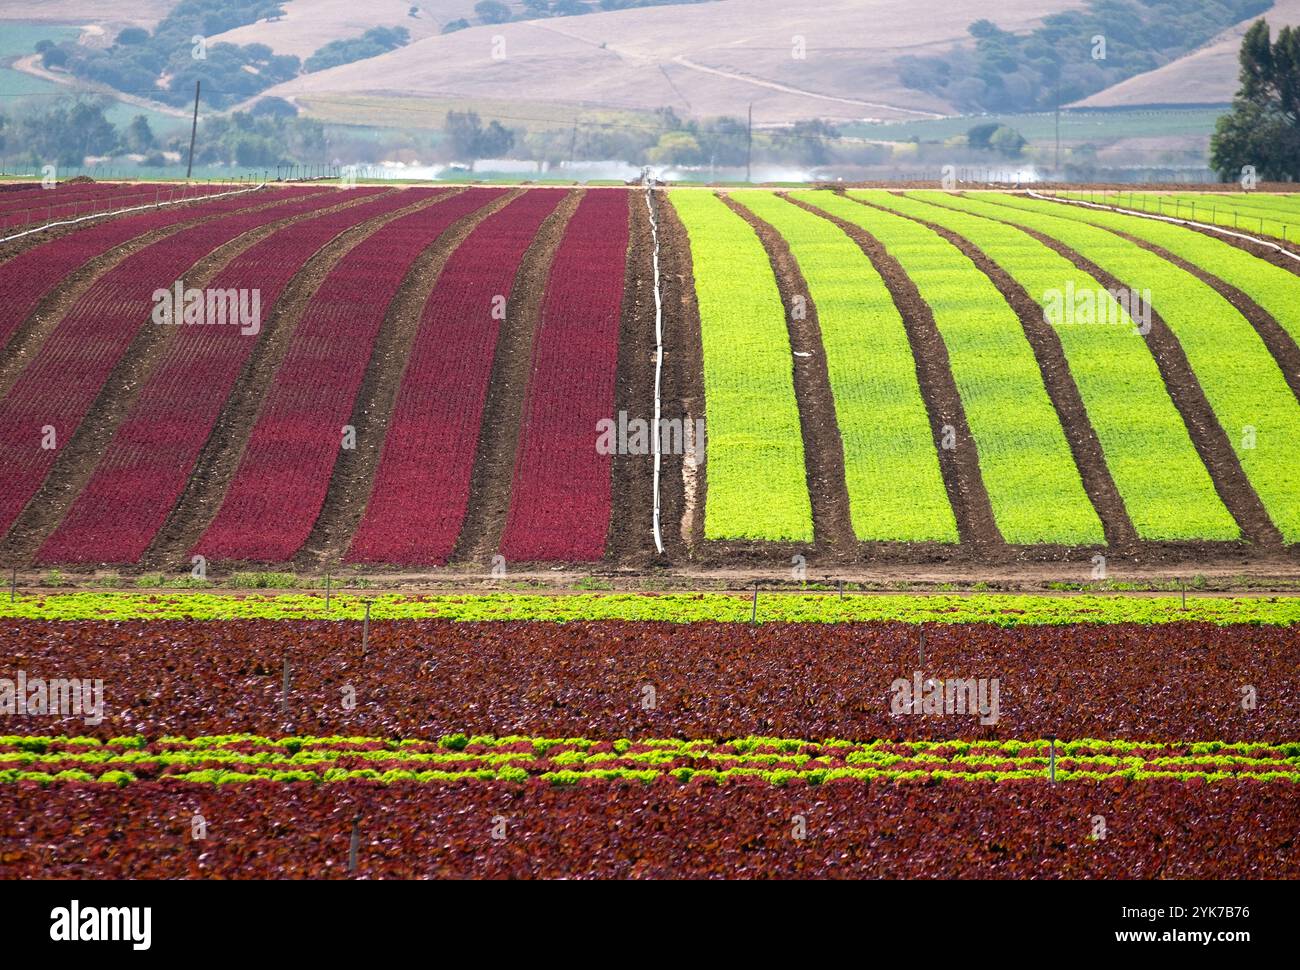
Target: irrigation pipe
{"type": "Point", "coordinates": [1180, 222]}
{"type": "Point", "coordinates": [134, 208]}
{"type": "Point", "coordinates": [659, 361]}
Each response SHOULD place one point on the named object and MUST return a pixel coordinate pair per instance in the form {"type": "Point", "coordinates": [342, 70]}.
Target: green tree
{"type": "Point", "coordinates": [492, 11]}
{"type": "Point", "coordinates": [1008, 142]}
{"type": "Point", "coordinates": [139, 136]}
{"type": "Point", "coordinates": [1263, 127]}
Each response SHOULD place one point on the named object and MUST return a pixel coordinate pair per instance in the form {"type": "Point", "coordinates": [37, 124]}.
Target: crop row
{"type": "Point", "coordinates": [757, 482]}
{"type": "Point", "coordinates": [145, 467]}
{"type": "Point", "coordinates": [427, 678]}
{"type": "Point", "coordinates": [280, 485]}
{"type": "Point", "coordinates": [1241, 380]}
{"type": "Point", "coordinates": [47, 403]}
{"type": "Point", "coordinates": [891, 468]}
{"type": "Point", "coordinates": [560, 498]}
{"type": "Point", "coordinates": [27, 278]}
{"type": "Point", "coordinates": [61, 204]}
{"type": "Point", "coordinates": [1033, 483]}
{"type": "Point", "coordinates": [1166, 489]}
{"type": "Point", "coordinates": [749, 829]}
{"type": "Point", "coordinates": [1272, 287]}
{"type": "Point", "coordinates": [421, 490]}
{"type": "Point", "coordinates": [1261, 214]}
{"type": "Point", "coordinates": [1005, 610]}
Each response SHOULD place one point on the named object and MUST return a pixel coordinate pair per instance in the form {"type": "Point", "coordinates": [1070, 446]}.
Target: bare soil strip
{"type": "Point", "coordinates": [354, 472]}
{"type": "Point", "coordinates": [220, 457]}
{"type": "Point", "coordinates": [1064, 394]}
{"type": "Point", "coordinates": [494, 461]}
{"type": "Point", "coordinates": [823, 448]}
{"type": "Point", "coordinates": [959, 465]}
{"type": "Point", "coordinates": [631, 527]}
{"type": "Point", "coordinates": [1279, 343]}
{"type": "Point", "coordinates": [31, 334]}
{"type": "Point", "coordinates": [1208, 436]}
{"type": "Point", "coordinates": [683, 489]}
{"type": "Point", "coordinates": [77, 461]}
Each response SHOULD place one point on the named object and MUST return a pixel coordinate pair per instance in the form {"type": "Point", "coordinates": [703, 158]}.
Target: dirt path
{"type": "Point", "coordinates": [823, 448]}
{"type": "Point", "coordinates": [494, 462]}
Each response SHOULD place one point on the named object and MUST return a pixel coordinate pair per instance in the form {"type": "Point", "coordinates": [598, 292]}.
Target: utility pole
{"type": "Point", "coordinates": [749, 142]}
{"type": "Point", "coordinates": [194, 129]}
{"type": "Point", "coordinates": [573, 142]}
{"type": "Point", "coordinates": [1058, 122]}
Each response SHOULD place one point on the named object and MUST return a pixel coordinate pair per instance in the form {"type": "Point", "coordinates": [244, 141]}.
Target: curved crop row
{"type": "Point", "coordinates": [1261, 215]}
{"type": "Point", "coordinates": [1033, 483]}
{"type": "Point", "coordinates": [891, 469]}
{"type": "Point", "coordinates": [1272, 287]}
{"type": "Point", "coordinates": [47, 403]}
{"type": "Point", "coordinates": [143, 471]}
{"type": "Point", "coordinates": [421, 490]}
{"type": "Point", "coordinates": [560, 496]}
{"type": "Point", "coordinates": [754, 452]}
{"type": "Point", "coordinates": [30, 276]}
{"type": "Point", "coordinates": [279, 489]}
{"type": "Point", "coordinates": [1165, 487]}
{"type": "Point", "coordinates": [1240, 378]}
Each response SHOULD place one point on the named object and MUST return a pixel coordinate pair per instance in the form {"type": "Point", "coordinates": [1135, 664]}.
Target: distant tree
{"type": "Point", "coordinates": [54, 57]}
{"type": "Point", "coordinates": [413, 12]}
{"type": "Point", "coordinates": [273, 108]}
{"type": "Point", "coordinates": [43, 45]}
{"type": "Point", "coordinates": [470, 140]}
{"type": "Point", "coordinates": [492, 11]}
{"type": "Point", "coordinates": [1263, 127]}
{"type": "Point", "coordinates": [1008, 142]}
{"type": "Point", "coordinates": [132, 36]}
{"type": "Point", "coordinates": [676, 148]}
{"type": "Point", "coordinates": [139, 136]}
{"type": "Point", "coordinates": [538, 8]}
{"type": "Point", "coordinates": [978, 137]}
{"type": "Point", "coordinates": [451, 26]}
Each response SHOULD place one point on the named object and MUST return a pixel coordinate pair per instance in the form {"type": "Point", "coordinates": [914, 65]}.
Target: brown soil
{"type": "Point", "coordinates": [1208, 437]}
{"type": "Point", "coordinates": [77, 461]}
{"type": "Point", "coordinates": [823, 447]}
{"type": "Point", "coordinates": [960, 465]}
{"type": "Point", "coordinates": [354, 472]}
{"type": "Point", "coordinates": [631, 528]}
{"type": "Point", "coordinates": [221, 454]}
{"type": "Point", "coordinates": [494, 461]}
{"type": "Point", "coordinates": [682, 490]}
{"type": "Point", "coordinates": [1064, 394]}
{"type": "Point", "coordinates": [1279, 343]}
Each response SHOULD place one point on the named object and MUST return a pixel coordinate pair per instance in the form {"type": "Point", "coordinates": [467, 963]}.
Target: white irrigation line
{"type": "Point", "coordinates": [659, 360]}
{"type": "Point", "coordinates": [1180, 222]}
{"type": "Point", "coordinates": [134, 208]}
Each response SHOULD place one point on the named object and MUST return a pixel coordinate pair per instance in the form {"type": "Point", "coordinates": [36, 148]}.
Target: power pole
{"type": "Point", "coordinates": [194, 129]}
{"type": "Point", "coordinates": [749, 142]}
{"type": "Point", "coordinates": [573, 142]}
{"type": "Point", "coordinates": [1058, 122]}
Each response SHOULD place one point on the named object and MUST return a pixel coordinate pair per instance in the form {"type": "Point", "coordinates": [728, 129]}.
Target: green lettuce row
{"type": "Point", "coordinates": [757, 482]}
{"type": "Point", "coordinates": [1240, 378]}
{"type": "Point", "coordinates": [1007, 610]}
{"type": "Point", "coordinates": [1166, 489]}
{"type": "Point", "coordinates": [1025, 461]}
{"type": "Point", "coordinates": [891, 466]}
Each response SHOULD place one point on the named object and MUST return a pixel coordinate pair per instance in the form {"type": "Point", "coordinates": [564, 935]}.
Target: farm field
{"type": "Point", "coordinates": [871, 376]}
{"type": "Point", "coordinates": [351, 509]}
{"type": "Point", "coordinates": [477, 715]}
